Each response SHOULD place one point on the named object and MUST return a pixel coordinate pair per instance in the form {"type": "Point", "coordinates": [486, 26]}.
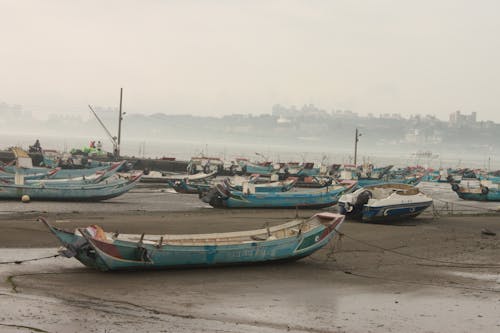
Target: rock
{"type": "Point", "coordinates": [488, 232]}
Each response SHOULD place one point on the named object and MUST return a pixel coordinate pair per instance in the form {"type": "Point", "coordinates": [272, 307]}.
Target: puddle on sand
{"type": "Point", "coordinates": [478, 276]}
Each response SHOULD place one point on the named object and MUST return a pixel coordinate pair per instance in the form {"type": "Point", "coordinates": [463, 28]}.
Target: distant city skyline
{"type": "Point", "coordinates": [456, 117]}
{"type": "Point", "coordinates": [215, 58]}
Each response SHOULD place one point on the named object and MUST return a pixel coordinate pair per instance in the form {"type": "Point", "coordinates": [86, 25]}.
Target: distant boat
{"type": "Point", "coordinates": [204, 164]}
{"type": "Point", "coordinates": [85, 172]}
{"type": "Point", "coordinates": [189, 187]}
{"type": "Point", "coordinates": [56, 173]}
{"type": "Point", "coordinates": [384, 202]}
{"type": "Point", "coordinates": [249, 186]}
{"type": "Point", "coordinates": [411, 180]}
{"type": "Point", "coordinates": [264, 168]}
{"type": "Point", "coordinates": [222, 197]}
{"type": "Point", "coordinates": [477, 190]}
{"type": "Point", "coordinates": [438, 176]}
{"type": "Point", "coordinates": [314, 182]}
{"type": "Point", "coordinates": [288, 241]}
{"type": "Point", "coordinates": [81, 180]}
{"type": "Point", "coordinates": [28, 174]}
{"type": "Point", "coordinates": [105, 189]}
{"type": "Point", "coordinates": [367, 175]}
{"type": "Point", "coordinates": [300, 170]}
{"type": "Point", "coordinates": [165, 177]}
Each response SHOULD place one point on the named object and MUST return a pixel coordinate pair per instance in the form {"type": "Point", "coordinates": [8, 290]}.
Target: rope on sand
{"type": "Point", "coordinates": [454, 285]}
{"type": "Point", "coordinates": [475, 265]}
{"type": "Point", "coordinates": [449, 205]}
{"type": "Point", "coordinates": [18, 262]}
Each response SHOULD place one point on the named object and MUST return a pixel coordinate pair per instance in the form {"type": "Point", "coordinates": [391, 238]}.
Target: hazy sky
{"type": "Point", "coordinates": [222, 57]}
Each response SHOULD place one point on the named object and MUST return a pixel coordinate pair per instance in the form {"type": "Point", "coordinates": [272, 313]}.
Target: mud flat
{"type": "Point", "coordinates": [422, 275]}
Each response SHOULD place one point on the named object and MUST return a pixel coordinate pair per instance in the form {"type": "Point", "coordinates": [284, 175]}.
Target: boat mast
{"type": "Point", "coordinates": [111, 137]}
{"type": "Point", "coordinates": [356, 139]}
{"type": "Point", "coordinates": [120, 118]}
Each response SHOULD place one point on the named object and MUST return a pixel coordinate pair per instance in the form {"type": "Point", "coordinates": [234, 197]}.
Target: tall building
{"type": "Point", "coordinates": [457, 119]}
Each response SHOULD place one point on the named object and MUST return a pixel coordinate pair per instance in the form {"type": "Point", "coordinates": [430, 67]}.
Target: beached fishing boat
{"type": "Point", "coordinates": [55, 173]}
{"type": "Point", "coordinates": [187, 187]}
{"type": "Point", "coordinates": [477, 190]}
{"type": "Point", "coordinates": [165, 177]}
{"type": "Point", "coordinates": [264, 168]}
{"type": "Point", "coordinates": [105, 189]}
{"type": "Point", "coordinates": [308, 170]}
{"type": "Point", "coordinates": [301, 170]}
{"type": "Point", "coordinates": [221, 196]}
{"type": "Point", "coordinates": [412, 180]}
{"type": "Point", "coordinates": [289, 241]}
{"type": "Point", "coordinates": [367, 175]}
{"type": "Point", "coordinates": [27, 174]}
{"type": "Point", "coordinates": [85, 172]}
{"type": "Point", "coordinates": [437, 176]}
{"type": "Point", "coordinates": [249, 186]}
{"type": "Point", "coordinates": [204, 164]}
{"type": "Point", "coordinates": [314, 182]}
{"type": "Point", "coordinates": [384, 202]}
{"type": "Point", "coordinates": [90, 179]}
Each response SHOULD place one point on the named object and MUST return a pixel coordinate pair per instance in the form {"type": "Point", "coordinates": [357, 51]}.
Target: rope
{"type": "Point", "coordinates": [465, 205]}
{"type": "Point", "coordinates": [456, 286]}
{"type": "Point", "coordinates": [18, 262]}
{"type": "Point", "coordinates": [418, 257]}
{"type": "Point", "coordinates": [335, 245]}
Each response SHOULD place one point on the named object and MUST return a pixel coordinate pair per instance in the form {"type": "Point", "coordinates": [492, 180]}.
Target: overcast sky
{"type": "Point", "coordinates": [222, 57]}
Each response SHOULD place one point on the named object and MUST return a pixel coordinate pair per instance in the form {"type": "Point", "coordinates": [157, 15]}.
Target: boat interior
{"type": "Point", "coordinates": [384, 190]}
{"type": "Point", "coordinates": [282, 231]}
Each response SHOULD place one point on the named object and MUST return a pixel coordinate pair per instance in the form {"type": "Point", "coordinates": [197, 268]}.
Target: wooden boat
{"type": "Point", "coordinates": [249, 186]}
{"type": "Point", "coordinates": [55, 173]}
{"type": "Point", "coordinates": [103, 190]}
{"type": "Point", "coordinates": [85, 172]}
{"type": "Point", "coordinates": [7, 173]}
{"type": "Point", "coordinates": [477, 190]}
{"type": "Point", "coordinates": [265, 169]}
{"type": "Point", "coordinates": [367, 175]}
{"type": "Point", "coordinates": [314, 182]}
{"type": "Point", "coordinates": [222, 197]}
{"type": "Point", "coordinates": [308, 170]}
{"type": "Point", "coordinates": [296, 169]}
{"type": "Point", "coordinates": [164, 177]}
{"type": "Point", "coordinates": [204, 164]}
{"type": "Point", "coordinates": [90, 179]}
{"type": "Point", "coordinates": [364, 182]}
{"type": "Point", "coordinates": [384, 202]}
{"type": "Point", "coordinates": [289, 241]}
{"type": "Point", "coordinates": [187, 187]}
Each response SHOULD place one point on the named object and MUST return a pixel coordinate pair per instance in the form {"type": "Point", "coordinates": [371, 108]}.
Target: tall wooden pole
{"type": "Point", "coordinates": [120, 118]}
{"type": "Point", "coordinates": [356, 147]}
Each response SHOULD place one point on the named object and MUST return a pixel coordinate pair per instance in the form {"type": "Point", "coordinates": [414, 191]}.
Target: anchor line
{"type": "Point", "coordinates": [478, 265]}
{"type": "Point", "coordinates": [18, 262]}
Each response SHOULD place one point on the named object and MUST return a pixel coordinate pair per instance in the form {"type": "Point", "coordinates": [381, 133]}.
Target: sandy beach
{"type": "Point", "coordinates": [430, 274]}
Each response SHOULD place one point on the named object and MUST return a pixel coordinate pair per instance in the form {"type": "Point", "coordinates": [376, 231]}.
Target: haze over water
{"type": "Point", "coordinates": [185, 149]}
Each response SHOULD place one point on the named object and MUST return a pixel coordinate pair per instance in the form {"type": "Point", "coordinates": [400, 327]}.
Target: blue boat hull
{"type": "Point", "coordinates": [490, 196]}
{"type": "Point", "coordinates": [188, 188]}
{"type": "Point", "coordinates": [309, 200]}
{"type": "Point", "coordinates": [363, 182]}
{"type": "Point", "coordinates": [75, 173]}
{"type": "Point", "coordinates": [126, 255]}
{"type": "Point", "coordinates": [393, 212]}
{"type": "Point", "coordinates": [93, 192]}
{"type": "Point", "coordinates": [257, 169]}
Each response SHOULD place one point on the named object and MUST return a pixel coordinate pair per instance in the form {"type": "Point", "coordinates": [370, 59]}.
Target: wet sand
{"type": "Point", "coordinates": [358, 288]}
